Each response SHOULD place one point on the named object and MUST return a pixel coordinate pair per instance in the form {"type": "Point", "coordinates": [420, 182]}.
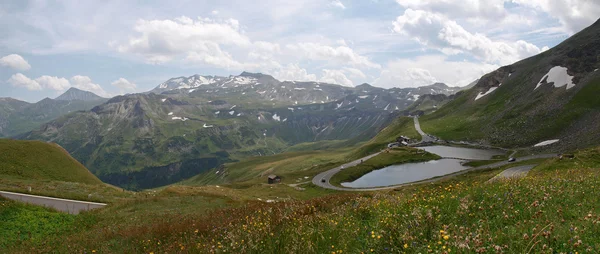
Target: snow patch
{"type": "Point", "coordinates": [207, 126]}
{"type": "Point", "coordinates": [386, 107]}
{"type": "Point", "coordinates": [244, 80]}
{"type": "Point", "coordinates": [291, 109]}
{"type": "Point", "coordinates": [183, 119]}
{"type": "Point", "coordinates": [547, 142]}
{"type": "Point", "coordinates": [276, 118]}
{"type": "Point", "coordinates": [216, 113]}
{"type": "Point", "coordinates": [233, 107]}
{"type": "Point", "coordinates": [191, 90]}
{"type": "Point", "coordinates": [284, 120]}
{"type": "Point", "coordinates": [480, 95]}
{"type": "Point", "coordinates": [231, 112]}
{"type": "Point", "coordinates": [299, 88]}
{"type": "Point", "coordinates": [416, 97]}
{"type": "Point", "coordinates": [170, 114]}
{"type": "Point", "coordinates": [559, 76]}
{"type": "Point", "coordinates": [163, 100]}
{"type": "Point", "coordinates": [363, 96]}
{"type": "Point", "coordinates": [339, 105]}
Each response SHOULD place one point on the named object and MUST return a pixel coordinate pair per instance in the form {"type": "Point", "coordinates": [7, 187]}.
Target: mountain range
{"type": "Point", "coordinates": [188, 125]}
{"type": "Point", "coordinates": [17, 117]}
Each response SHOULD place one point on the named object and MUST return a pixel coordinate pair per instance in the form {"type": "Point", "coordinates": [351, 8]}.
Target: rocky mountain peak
{"type": "Point", "coordinates": [74, 94]}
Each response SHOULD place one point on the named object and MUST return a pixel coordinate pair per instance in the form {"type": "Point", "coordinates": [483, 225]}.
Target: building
{"type": "Point", "coordinates": [271, 179]}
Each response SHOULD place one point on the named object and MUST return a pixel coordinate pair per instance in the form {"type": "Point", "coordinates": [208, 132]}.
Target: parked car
{"type": "Point", "coordinates": [512, 159]}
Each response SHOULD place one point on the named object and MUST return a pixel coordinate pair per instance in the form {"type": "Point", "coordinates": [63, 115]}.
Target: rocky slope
{"type": "Point", "coordinates": [550, 96]}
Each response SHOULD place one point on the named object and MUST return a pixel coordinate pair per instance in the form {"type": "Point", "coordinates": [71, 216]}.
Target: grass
{"type": "Point", "coordinates": [389, 157]}
{"type": "Point", "coordinates": [31, 224]}
{"type": "Point", "coordinates": [35, 160]}
{"type": "Point", "coordinates": [553, 210]}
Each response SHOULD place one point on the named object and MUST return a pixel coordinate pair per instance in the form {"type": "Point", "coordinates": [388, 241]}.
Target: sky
{"type": "Point", "coordinates": [117, 47]}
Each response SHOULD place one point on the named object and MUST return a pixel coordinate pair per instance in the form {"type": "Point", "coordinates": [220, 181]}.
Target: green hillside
{"type": "Point", "coordinates": [35, 160]}
{"type": "Point", "coordinates": [520, 113]}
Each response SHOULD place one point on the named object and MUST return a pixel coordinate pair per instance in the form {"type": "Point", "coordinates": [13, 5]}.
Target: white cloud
{"type": "Point", "coordinates": [15, 61]}
{"type": "Point", "coordinates": [339, 54]}
{"type": "Point", "coordinates": [85, 83]}
{"type": "Point", "coordinates": [20, 80]}
{"type": "Point", "coordinates": [124, 85]}
{"type": "Point", "coordinates": [355, 73]}
{"type": "Point", "coordinates": [335, 77]}
{"type": "Point", "coordinates": [338, 4]}
{"type": "Point", "coordinates": [161, 41]}
{"type": "Point", "coordinates": [573, 15]}
{"type": "Point", "coordinates": [489, 9]}
{"type": "Point", "coordinates": [428, 69]}
{"type": "Point", "coordinates": [438, 32]}
{"type": "Point", "coordinates": [293, 72]}
{"type": "Point", "coordinates": [54, 83]}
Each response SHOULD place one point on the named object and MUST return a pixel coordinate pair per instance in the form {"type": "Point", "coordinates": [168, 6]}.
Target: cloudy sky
{"type": "Point", "coordinates": [116, 47]}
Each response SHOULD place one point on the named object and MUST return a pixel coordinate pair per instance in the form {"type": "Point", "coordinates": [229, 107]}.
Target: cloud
{"type": "Point", "coordinates": [438, 32]}
{"type": "Point", "coordinates": [20, 80]}
{"type": "Point", "coordinates": [338, 4]}
{"type": "Point", "coordinates": [124, 85]}
{"type": "Point", "coordinates": [573, 15]}
{"type": "Point", "coordinates": [488, 9]}
{"type": "Point", "coordinates": [160, 41]}
{"type": "Point", "coordinates": [339, 54]}
{"type": "Point", "coordinates": [15, 61]}
{"type": "Point", "coordinates": [428, 69]}
{"type": "Point", "coordinates": [293, 72]}
{"type": "Point", "coordinates": [54, 83]}
{"type": "Point", "coordinates": [85, 83]}
{"type": "Point", "coordinates": [336, 77]}
{"type": "Point", "coordinates": [355, 73]}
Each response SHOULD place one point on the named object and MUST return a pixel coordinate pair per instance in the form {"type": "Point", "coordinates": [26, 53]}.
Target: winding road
{"type": "Point", "coordinates": [322, 179]}
{"type": "Point", "coordinates": [64, 205]}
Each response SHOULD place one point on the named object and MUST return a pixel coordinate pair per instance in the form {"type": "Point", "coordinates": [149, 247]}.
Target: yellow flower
{"type": "Point", "coordinates": [405, 245]}
{"type": "Point", "coordinates": [441, 231]}
{"type": "Point", "coordinates": [378, 237]}
{"type": "Point", "coordinates": [93, 251]}
{"type": "Point", "coordinates": [446, 237]}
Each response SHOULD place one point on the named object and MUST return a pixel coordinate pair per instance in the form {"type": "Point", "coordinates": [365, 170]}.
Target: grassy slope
{"type": "Point", "coordinates": [35, 160]}
{"type": "Point", "coordinates": [394, 156]}
{"type": "Point", "coordinates": [555, 209]}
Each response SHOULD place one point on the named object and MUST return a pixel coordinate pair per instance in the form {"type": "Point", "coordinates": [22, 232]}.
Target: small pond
{"type": "Point", "coordinates": [406, 173]}
{"type": "Point", "coordinates": [413, 172]}
{"type": "Point", "coordinates": [462, 152]}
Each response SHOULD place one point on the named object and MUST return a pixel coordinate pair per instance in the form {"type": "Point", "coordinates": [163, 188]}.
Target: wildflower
{"type": "Point", "coordinates": [446, 237]}
{"type": "Point", "coordinates": [405, 245]}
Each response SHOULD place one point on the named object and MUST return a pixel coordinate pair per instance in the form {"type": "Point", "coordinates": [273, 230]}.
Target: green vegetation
{"type": "Point", "coordinates": [389, 157]}
{"type": "Point", "coordinates": [31, 224]}
{"type": "Point", "coordinates": [552, 210]}
{"type": "Point", "coordinates": [35, 160]}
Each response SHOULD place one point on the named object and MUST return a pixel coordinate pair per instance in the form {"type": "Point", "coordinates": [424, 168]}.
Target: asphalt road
{"type": "Point", "coordinates": [64, 205]}
{"type": "Point", "coordinates": [329, 173]}
{"type": "Point", "coordinates": [515, 172]}
{"type": "Point", "coordinates": [424, 136]}
{"type": "Point", "coordinates": [326, 176]}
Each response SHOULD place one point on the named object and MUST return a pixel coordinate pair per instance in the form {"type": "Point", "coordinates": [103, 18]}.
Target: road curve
{"type": "Point", "coordinates": [64, 205]}
{"type": "Point", "coordinates": [514, 172]}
